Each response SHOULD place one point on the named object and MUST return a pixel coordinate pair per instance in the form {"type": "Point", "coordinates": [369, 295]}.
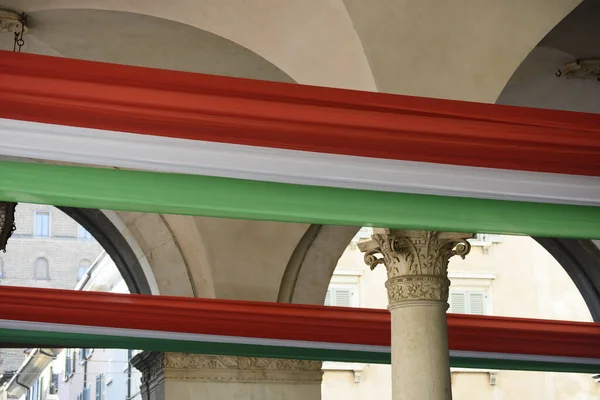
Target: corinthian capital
{"type": "Point", "coordinates": [416, 261]}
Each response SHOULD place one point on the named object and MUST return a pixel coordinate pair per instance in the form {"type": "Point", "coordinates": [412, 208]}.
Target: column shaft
{"type": "Point", "coordinates": [417, 287]}
{"type": "Point", "coordinates": [420, 364]}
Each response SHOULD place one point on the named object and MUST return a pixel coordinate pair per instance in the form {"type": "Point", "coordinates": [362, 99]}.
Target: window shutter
{"type": "Point", "coordinates": [458, 304]}
{"type": "Point", "coordinates": [476, 303]}
{"type": "Point", "coordinates": [342, 297]}
{"type": "Point", "coordinates": [328, 298]}
{"type": "Point", "coordinates": [99, 387]}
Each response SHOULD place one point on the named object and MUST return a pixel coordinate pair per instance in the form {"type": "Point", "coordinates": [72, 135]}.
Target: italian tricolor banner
{"type": "Point", "coordinates": [60, 318]}
{"type": "Point", "coordinates": [206, 145]}
{"type": "Point", "coordinates": [140, 139]}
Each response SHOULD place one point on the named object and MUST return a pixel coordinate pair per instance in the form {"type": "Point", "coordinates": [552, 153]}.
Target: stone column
{"type": "Point", "coordinates": [417, 286]}
{"type": "Point", "coordinates": [181, 376]}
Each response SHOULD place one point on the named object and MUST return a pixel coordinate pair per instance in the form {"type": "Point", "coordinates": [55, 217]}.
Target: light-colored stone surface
{"type": "Point", "coordinates": [417, 285]}
{"type": "Point", "coordinates": [416, 262]}
{"type": "Point", "coordinates": [193, 376]}
{"type": "Point", "coordinates": [464, 50]}
{"type": "Point", "coordinates": [289, 34]}
{"type": "Point", "coordinates": [162, 252]}
{"type": "Point", "coordinates": [247, 258]}
{"type": "Point", "coordinates": [420, 364]}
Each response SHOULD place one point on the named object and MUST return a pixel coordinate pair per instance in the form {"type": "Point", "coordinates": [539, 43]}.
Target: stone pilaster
{"type": "Point", "coordinates": [417, 288]}
{"type": "Point", "coordinates": [185, 376]}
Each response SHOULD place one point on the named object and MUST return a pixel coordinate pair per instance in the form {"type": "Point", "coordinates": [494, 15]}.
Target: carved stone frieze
{"type": "Point", "coordinates": [159, 367]}
{"type": "Point", "coordinates": [416, 261]}
{"type": "Point", "coordinates": [198, 361]}
{"type": "Point", "coordinates": [416, 287]}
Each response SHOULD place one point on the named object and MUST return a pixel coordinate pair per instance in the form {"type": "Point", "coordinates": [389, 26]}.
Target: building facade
{"type": "Point", "coordinates": [48, 250]}
{"type": "Point", "coordinates": [503, 276]}
{"type": "Point", "coordinates": [79, 374]}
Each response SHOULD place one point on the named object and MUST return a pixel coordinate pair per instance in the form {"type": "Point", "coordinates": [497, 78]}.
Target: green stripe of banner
{"type": "Point", "coordinates": [234, 198]}
{"type": "Point", "coordinates": [58, 339]}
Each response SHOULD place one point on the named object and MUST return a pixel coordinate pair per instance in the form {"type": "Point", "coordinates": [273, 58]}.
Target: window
{"type": "Point", "coordinates": [1, 268]}
{"type": "Point", "coordinates": [85, 354]}
{"type": "Point", "coordinates": [343, 289]}
{"type": "Point", "coordinates": [69, 363]}
{"type": "Point", "coordinates": [343, 292]}
{"type": "Point", "coordinates": [339, 296]}
{"type": "Point", "coordinates": [472, 301]}
{"type": "Point", "coordinates": [42, 224]}
{"type": "Point", "coordinates": [53, 389]}
{"type": "Point", "coordinates": [84, 265]}
{"type": "Point", "coordinates": [35, 391]}
{"type": "Point", "coordinates": [41, 269]}
{"type": "Point", "coordinates": [84, 395]}
{"type": "Point", "coordinates": [100, 387]}
{"type": "Point", "coordinates": [82, 233]}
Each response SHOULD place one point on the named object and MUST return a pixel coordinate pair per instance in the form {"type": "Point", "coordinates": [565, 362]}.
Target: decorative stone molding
{"type": "Point", "coordinates": [581, 69]}
{"type": "Point", "coordinates": [159, 367]}
{"type": "Point", "coordinates": [198, 361]}
{"type": "Point", "coordinates": [417, 288]}
{"type": "Point", "coordinates": [10, 21]}
{"type": "Point", "coordinates": [150, 364]}
{"type": "Point", "coordinates": [416, 261]}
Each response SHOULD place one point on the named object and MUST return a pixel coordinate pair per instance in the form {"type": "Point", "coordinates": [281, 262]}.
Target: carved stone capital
{"type": "Point", "coordinates": [417, 287]}
{"type": "Point", "coordinates": [416, 261]}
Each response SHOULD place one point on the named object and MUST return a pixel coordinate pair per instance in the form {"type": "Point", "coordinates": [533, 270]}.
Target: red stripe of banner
{"type": "Point", "coordinates": [231, 110]}
{"type": "Point", "coordinates": [290, 322]}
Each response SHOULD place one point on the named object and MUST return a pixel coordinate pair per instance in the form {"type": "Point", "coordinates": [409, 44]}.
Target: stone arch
{"type": "Point", "coordinates": [289, 35]}
{"type": "Point", "coordinates": [116, 246]}
{"type": "Point", "coordinates": [310, 269]}
{"type": "Point", "coordinates": [155, 253]}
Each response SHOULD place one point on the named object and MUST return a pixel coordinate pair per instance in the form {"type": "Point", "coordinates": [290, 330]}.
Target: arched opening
{"type": "Point", "coordinates": [512, 276]}
{"type": "Point", "coordinates": [49, 249]}
{"type": "Point", "coordinates": [317, 255]}
{"type": "Point", "coordinates": [97, 225]}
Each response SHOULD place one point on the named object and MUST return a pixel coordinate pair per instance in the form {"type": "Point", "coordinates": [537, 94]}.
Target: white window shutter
{"type": "Point", "coordinates": [476, 303]}
{"type": "Point", "coordinates": [342, 297]}
{"type": "Point", "coordinates": [458, 304]}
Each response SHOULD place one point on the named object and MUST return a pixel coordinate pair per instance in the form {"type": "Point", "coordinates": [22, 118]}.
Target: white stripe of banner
{"type": "Point", "coordinates": [192, 337]}
{"type": "Point", "coordinates": [163, 335]}
{"type": "Point", "coordinates": [154, 153]}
